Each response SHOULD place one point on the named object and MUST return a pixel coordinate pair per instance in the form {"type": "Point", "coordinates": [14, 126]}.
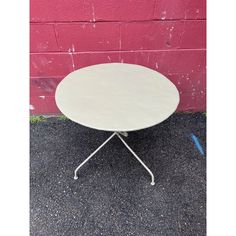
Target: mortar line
{"type": "Point", "coordinates": [113, 21]}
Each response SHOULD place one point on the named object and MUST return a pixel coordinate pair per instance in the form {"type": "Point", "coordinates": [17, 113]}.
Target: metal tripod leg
{"type": "Point", "coordinates": [92, 154]}
{"type": "Point", "coordinates": [149, 171]}
{"type": "Point", "coordinates": [127, 146]}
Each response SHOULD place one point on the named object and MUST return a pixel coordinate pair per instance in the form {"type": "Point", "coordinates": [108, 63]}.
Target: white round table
{"type": "Point", "coordinates": [117, 97]}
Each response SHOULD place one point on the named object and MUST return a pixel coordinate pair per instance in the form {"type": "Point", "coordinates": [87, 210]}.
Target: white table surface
{"type": "Point", "coordinates": [117, 97]}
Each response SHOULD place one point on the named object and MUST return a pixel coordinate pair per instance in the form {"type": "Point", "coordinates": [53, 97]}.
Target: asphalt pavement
{"type": "Point", "coordinates": [113, 194]}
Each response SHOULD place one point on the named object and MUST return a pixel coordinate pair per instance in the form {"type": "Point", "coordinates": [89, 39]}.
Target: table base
{"type": "Point", "coordinates": [118, 134]}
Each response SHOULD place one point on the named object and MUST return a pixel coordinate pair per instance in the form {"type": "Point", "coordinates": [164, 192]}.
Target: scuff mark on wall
{"type": "Point", "coordinates": [46, 85]}
{"type": "Point", "coordinates": [34, 65]}
{"type": "Point", "coordinates": [108, 57]}
{"type": "Point", "coordinates": [183, 31]}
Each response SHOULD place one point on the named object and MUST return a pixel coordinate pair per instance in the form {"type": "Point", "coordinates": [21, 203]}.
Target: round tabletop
{"type": "Point", "coordinates": [117, 97]}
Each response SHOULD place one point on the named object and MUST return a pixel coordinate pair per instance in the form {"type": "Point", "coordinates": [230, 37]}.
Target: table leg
{"type": "Point", "coordinates": [92, 154]}
{"type": "Point", "coordinates": [149, 171]}
{"type": "Point", "coordinates": [127, 146]}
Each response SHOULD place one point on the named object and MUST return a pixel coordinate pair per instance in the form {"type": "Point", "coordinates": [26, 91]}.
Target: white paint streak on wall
{"type": "Point", "coordinates": [72, 60]}
{"type": "Point", "coordinates": [73, 48]}
{"type": "Point", "coordinates": [71, 51]}
{"type": "Point", "coordinates": [163, 15]}
{"type": "Point", "coordinates": [171, 29]}
{"type": "Point", "coordinates": [31, 107]}
{"type": "Point", "coordinates": [43, 97]}
{"type": "Point", "coordinates": [93, 13]}
{"type": "Point", "coordinates": [157, 66]}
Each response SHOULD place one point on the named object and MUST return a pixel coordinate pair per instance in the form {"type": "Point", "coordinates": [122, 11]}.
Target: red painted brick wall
{"type": "Point", "coordinates": [166, 35]}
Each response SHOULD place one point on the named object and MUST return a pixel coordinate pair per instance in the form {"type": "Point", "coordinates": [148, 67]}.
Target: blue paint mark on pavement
{"type": "Point", "coordinates": [197, 144]}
